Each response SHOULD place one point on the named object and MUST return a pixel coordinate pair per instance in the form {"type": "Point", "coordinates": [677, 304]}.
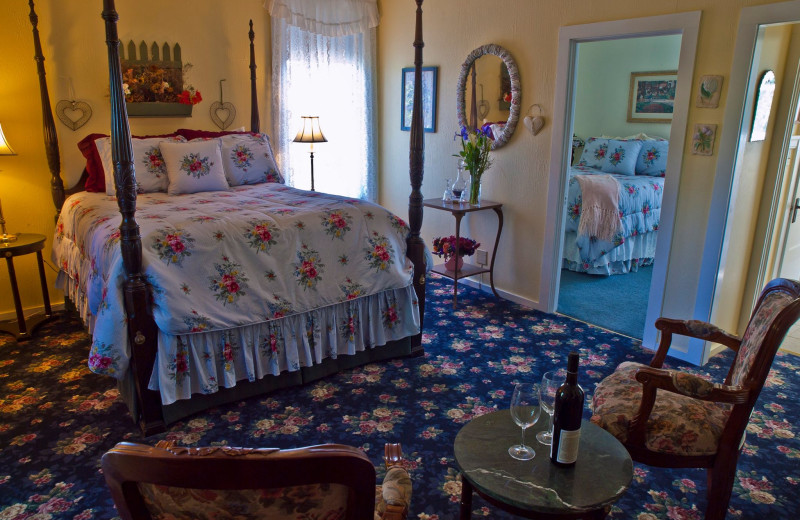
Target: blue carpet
{"type": "Point", "coordinates": [617, 302]}
{"type": "Point", "coordinates": [57, 418]}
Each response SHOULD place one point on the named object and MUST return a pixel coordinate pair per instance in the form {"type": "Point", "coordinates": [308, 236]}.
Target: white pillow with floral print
{"type": "Point", "coordinates": [248, 159]}
{"type": "Point", "coordinates": [194, 166]}
{"type": "Point", "coordinates": [151, 174]}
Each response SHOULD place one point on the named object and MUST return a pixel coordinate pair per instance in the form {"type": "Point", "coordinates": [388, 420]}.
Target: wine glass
{"type": "Point", "coordinates": [525, 411]}
{"type": "Point", "coordinates": [551, 381]}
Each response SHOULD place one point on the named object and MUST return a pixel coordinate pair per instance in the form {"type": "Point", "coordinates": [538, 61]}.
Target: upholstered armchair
{"type": "Point", "coordinates": [329, 482]}
{"type": "Point", "coordinates": [669, 418]}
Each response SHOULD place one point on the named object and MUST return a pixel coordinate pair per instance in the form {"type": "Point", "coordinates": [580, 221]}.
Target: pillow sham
{"type": "Point", "coordinates": [248, 159]}
{"type": "Point", "coordinates": [594, 152]}
{"type": "Point", "coordinates": [194, 166]}
{"type": "Point", "coordinates": [621, 156]}
{"type": "Point", "coordinates": [96, 180]}
{"type": "Point", "coordinates": [652, 159]}
{"type": "Point", "coordinates": [190, 134]}
{"type": "Point", "coordinates": [151, 174]}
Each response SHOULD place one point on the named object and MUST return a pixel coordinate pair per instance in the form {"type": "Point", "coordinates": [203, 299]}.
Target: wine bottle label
{"type": "Point", "coordinates": [568, 446]}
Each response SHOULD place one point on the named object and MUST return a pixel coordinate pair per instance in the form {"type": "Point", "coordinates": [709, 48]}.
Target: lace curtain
{"type": "Point", "coordinates": [330, 76]}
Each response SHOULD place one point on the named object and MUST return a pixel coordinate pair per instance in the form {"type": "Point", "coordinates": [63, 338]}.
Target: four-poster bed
{"type": "Point", "coordinates": [141, 294]}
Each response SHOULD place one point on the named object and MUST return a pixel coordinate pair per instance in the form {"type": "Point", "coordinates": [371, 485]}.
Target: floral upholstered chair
{"type": "Point", "coordinates": [675, 419]}
{"type": "Point", "coordinates": [325, 482]}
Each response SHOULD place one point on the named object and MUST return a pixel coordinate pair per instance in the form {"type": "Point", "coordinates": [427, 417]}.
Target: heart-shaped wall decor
{"type": "Point", "coordinates": [219, 110]}
{"type": "Point", "coordinates": [534, 124]}
{"type": "Point", "coordinates": [73, 114]}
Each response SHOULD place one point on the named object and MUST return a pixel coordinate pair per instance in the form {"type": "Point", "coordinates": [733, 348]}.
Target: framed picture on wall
{"type": "Point", "coordinates": [429, 76]}
{"type": "Point", "coordinates": [651, 98]}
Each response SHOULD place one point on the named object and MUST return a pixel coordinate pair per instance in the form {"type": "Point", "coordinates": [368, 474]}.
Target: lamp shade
{"type": "Point", "coordinates": [310, 131]}
{"type": "Point", "coordinates": [5, 148]}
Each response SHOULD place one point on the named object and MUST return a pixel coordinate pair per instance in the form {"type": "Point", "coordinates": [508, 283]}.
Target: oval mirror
{"type": "Point", "coordinates": [488, 90]}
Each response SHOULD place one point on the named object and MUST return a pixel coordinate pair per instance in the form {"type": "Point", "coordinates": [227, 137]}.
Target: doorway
{"type": "Point", "coordinates": [570, 37]}
{"type": "Point", "coordinates": [727, 284]}
{"type": "Point", "coordinates": [594, 288]}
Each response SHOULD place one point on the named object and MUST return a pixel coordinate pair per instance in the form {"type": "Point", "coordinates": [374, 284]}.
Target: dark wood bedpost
{"type": "Point", "coordinates": [142, 331]}
{"type": "Point", "coordinates": [50, 136]}
{"type": "Point", "coordinates": [416, 247]}
{"type": "Point", "coordinates": [254, 124]}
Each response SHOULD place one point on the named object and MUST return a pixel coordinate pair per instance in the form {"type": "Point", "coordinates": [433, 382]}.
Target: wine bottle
{"type": "Point", "coordinates": [568, 411]}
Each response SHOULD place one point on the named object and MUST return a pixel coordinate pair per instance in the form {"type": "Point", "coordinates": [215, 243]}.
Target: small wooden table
{"type": "Point", "coordinates": [25, 244]}
{"type": "Point", "coordinates": [458, 210]}
{"type": "Point", "coordinates": [538, 488]}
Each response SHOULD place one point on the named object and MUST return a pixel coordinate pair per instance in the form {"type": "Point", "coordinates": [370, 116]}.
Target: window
{"type": "Point", "coordinates": [331, 77]}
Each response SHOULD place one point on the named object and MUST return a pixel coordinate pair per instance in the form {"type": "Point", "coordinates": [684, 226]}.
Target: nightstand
{"type": "Point", "coordinates": [458, 210]}
{"type": "Point", "coordinates": [25, 244]}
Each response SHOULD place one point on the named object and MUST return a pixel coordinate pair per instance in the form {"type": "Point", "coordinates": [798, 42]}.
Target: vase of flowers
{"type": "Point", "coordinates": [454, 256]}
{"type": "Point", "coordinates": [475, 148]}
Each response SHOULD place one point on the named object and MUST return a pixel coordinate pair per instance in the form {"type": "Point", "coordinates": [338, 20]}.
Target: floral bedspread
{"type": "Point", "coordinates": [248, 282]}
{"type": "Point", "coordinates": [639, 210]}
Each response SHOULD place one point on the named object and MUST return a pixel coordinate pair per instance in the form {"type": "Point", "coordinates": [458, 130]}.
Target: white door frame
{"type": "Point", "coordinates": [687, 24]}
{"type": "Point", "coordinates": [735, 131]}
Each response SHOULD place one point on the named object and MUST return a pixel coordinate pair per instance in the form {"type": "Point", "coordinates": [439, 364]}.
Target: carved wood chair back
{"type": "Point", "coordinates": [166, 481]}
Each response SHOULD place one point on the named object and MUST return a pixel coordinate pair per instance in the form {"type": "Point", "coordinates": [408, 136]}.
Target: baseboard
{"type": "Point", "coordinates": [503, 294]}
{"type": "Point", "coordinates": [30, 311]}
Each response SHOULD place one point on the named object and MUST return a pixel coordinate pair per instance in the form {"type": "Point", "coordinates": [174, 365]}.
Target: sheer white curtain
{"type": "Point", "coordinates": [332, 76]}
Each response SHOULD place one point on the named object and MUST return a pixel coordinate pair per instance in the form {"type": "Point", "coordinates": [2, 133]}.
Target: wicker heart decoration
{"type": "Point", "coordinates": [227, 109]}
{"type": "Point", "coordinates": [68, 110]}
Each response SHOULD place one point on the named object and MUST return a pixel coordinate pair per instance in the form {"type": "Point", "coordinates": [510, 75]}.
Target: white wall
{"type": "Point", "coordinates": [603, 84]}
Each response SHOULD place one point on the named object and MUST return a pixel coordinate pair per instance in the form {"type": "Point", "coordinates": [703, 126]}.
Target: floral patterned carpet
{"type": "Point", "coordinates": [57, 418]}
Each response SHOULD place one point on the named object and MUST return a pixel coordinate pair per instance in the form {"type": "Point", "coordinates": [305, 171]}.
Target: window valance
{"type": "Point", "coordinates": [327, 17]}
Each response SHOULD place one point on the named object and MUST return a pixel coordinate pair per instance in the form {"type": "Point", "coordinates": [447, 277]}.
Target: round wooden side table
{"type": "Point", "coordinates": [25, 244]}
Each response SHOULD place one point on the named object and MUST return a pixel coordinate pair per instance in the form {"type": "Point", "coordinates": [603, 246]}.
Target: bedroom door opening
{"type": "Point", "coordinates": [630, 153]}
{"type": "Point", "coordinates": [684, 25]}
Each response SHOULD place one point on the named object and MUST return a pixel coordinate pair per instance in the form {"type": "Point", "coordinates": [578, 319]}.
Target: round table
{"type": "Point", "coordinates": [25, 244]}
{"type": "Point", "coordinates": [537, 488]}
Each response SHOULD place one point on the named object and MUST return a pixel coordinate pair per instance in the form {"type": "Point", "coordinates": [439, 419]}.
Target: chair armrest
{"type": "Point", "coordinates": [693, 329]}
{"type": "Point", "coordinates": [396, 489]}
{"type": "Point", "coordinates": [690, 385]}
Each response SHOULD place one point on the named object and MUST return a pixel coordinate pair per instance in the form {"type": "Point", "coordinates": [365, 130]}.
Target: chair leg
{"type": "Point", "coordinates": [720, 486]}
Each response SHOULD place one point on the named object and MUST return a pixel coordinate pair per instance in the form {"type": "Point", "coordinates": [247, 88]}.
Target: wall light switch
{"type": "Point", "coordinates": [481, 257]}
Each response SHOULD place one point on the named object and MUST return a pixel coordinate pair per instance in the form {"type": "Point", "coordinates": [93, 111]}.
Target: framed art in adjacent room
{"type": "Point", "coordinates": [429, 77]}
{"type": "Point", "coordinates": [652, 96]}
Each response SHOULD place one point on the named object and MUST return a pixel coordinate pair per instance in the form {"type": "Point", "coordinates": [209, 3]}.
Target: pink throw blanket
{"type": "Point", "coordinates": [599, 207]}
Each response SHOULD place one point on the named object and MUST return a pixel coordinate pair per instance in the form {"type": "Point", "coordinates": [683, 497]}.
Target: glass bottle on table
{"type": "Point", "coordinates": [460, 185]}
{"type": "Point", "coordinates": [567, 415]}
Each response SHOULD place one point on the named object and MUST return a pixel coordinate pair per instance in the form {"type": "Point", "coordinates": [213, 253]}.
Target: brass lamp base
{"type": "Point", "coordinates": [4, 238]}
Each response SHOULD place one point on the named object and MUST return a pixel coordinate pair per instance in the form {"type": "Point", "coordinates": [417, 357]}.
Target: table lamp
{"type": "Point", "coordinates": [310, 133]}
{"type": "Point", "coordinates": [5, 149]}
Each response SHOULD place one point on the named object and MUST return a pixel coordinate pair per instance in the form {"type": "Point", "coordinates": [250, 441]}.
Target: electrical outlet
{"type": "Point", "coordinates": [481, 257]}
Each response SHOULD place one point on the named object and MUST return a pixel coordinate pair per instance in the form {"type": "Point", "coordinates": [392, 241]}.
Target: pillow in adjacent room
{"type": "Point", "coordinates": [594, 153]}
{"type": "Point", "coordinates": [621, 156]}
{"type": "Point", "coordinates": [248, 159]}
{"type": "Point", "coordinates": [151, 174]}
{"type": "Point", "coordinates": [652, 158]}
{"type": "Point", "coordinates": [194, 166]}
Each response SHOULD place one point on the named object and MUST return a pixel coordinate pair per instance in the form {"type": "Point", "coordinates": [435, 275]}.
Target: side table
{"type": "Point", "coordinates": [537, 488]}
{"type": "Point", "coordinates": [25, 244]}
{"type": "Point", "coordinates": [458, 210]}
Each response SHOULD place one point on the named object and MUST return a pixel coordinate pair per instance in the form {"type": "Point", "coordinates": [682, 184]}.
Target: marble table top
{"type": "Point", "coordinates": [600, 476]}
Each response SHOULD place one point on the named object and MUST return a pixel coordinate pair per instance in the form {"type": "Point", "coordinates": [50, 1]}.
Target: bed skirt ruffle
{"type": "Point", "coordinates": [204, 362]}
{"type": "Point", "coordinates": [637, 251]}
